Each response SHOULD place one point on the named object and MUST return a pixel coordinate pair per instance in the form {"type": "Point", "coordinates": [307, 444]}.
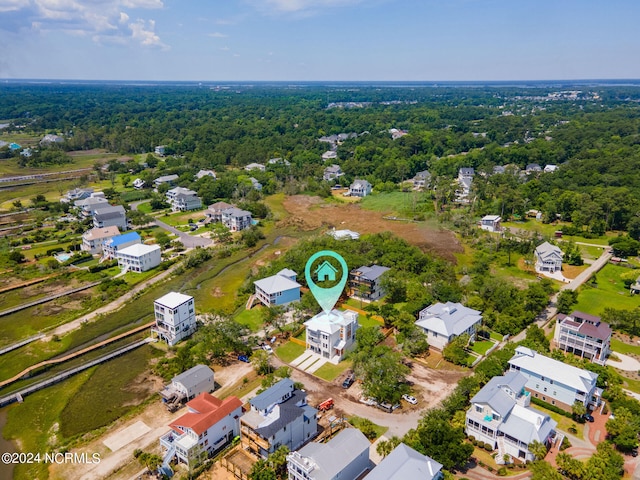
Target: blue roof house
{"type": "Point", "coordinates": [326, 271]}
{"type": "Point", "coordinates": [113, 245]}
{"type": "Point", "coordinates": [279, 289]}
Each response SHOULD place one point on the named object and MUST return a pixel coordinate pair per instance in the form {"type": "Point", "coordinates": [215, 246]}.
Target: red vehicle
{"type": "Point", "coordinates": [326, 405]}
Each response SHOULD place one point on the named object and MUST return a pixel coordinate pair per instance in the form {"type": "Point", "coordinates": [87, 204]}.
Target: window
{"type": "Point", "coordinates": [545, 389]}
{"type": "Point", "coordinates": [479, 408]}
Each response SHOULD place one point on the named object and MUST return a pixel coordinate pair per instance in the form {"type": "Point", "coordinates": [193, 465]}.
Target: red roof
{"type": "Point", "coordinates": [204, 411]}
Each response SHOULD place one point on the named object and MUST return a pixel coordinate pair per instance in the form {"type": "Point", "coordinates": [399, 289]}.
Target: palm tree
{"type": "Point", "coordinates": [538, 449]}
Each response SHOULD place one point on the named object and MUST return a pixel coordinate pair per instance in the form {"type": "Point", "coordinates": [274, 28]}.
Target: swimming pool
{"type": "Point", "coordinates": [63, 257]}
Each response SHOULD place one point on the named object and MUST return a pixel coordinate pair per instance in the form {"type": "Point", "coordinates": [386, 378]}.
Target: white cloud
{"type": "Point", "coordinates": [217, 35]}
{"type": "Point", "coordinates": [300, 6]}
{"type": "Point", "coordinates": [225, 49]}
{"type": "Point", "coordinates": [11, 5]}
{"type": "Point", "coordinates": [99, 19]}
{"type": "Point", "coordinates": [145, 33]}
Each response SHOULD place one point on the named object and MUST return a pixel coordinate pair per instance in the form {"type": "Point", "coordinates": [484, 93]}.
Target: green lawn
{"type": "Point", "coordinates": [405, 204]}
{"type": "Point", "coordinates": [610, 293]}
{"type": "Point", "coordinates": [359, 422]}
{"type": "Point", "coordinates": [181, 218]}
{"type": "Point", "coordinates": [289, 351]}
{"type": "Point", "coordinates": [275, 204]}
{"type": "Point", "coordinates": [366, 321]}
{"type": "Point", "coordinates": [330, 372]}
{"type": "Point", "coordinates": [482, 346]}
{"type": "Point", "coordinates": [549, 230]}
{"type": "Point", "coordinates": [252, 319]}
{"type": "Point", "coordinates": [632, 384]}
{"type": "Point", "coordinates": [621, 347]}
{"type": "Point", "coordinates": [496, 336]}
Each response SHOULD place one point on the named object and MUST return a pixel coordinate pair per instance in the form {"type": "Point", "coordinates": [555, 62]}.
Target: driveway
{"type": "Point", "coordinates": [189, 241]}
{"type": "Point", "coordinates": [626, 363]}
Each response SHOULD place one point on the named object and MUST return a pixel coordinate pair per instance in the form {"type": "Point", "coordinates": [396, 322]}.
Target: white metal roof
{"type": "Point", "coordinates": [173, 299]}
{"type": "Point", "coordinates": [560, 372]}
{"type": "Point", "coordinates": [139, 249]}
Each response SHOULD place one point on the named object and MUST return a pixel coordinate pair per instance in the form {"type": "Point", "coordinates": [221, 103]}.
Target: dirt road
{"type": "Point", "coordinates": [430, 386]}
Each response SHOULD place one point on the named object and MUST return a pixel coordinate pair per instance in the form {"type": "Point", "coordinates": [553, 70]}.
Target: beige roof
{"type": "Point", "coordinates": [99, 233]}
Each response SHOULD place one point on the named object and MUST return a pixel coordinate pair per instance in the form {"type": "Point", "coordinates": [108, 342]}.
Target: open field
{"type": "Point", "coordinates": [549, 229]}
{"type": "Point", "coordinates": [404, 204]}
{"type": "Point", "coordinates": [252, 319]}
{"type": "Point", "coordinates": [359, 421]}
{"type": "Point", "coordinates": [113, 389]}
{"type": "Point", "coordinates": [610, 292]}
{"type": "Point", "coordinates": [618, 345]}
{"type": "Point", "coordinates": [311, 213]}
{"type": "Point", "coordinates": [289, 351]}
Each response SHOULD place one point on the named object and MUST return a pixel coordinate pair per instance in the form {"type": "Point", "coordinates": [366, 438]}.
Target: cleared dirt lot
{"type": "Point", "coordinates": [310, 213]}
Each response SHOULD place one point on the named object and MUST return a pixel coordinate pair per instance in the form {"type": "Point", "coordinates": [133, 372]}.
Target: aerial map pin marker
{"type": "Point", "coordinates": [326, 271]}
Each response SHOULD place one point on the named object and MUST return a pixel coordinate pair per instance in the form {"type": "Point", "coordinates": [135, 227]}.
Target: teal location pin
{"type": "Point", "coordinates": [325, 271]}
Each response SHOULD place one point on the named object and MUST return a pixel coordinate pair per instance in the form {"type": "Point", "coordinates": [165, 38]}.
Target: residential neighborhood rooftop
{"type": "Point", "coordinates": [404, 463]}
{"type": "Point", "coordinates": [173, 299]}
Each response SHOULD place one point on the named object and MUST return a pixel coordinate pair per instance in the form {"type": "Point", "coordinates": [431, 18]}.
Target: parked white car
{"type": "Point", "coordinates": [412, 400]}
{"type": "Point", "coordinates": [268, 349]}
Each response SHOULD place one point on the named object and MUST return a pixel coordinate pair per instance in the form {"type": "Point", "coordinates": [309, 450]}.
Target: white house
{"type": "Point", "coordinates": [255, 166]}
{"type": "Point", "coordinates": [92, 240]}
{"type": "Point", "coordinates": [209, 425]}
{"type": "Point", "coordinates": [279, 416]}
{"type": "Point", "coordinates": [548, 258]}
{"type": "Point", "coordinates": [90, 205]}
{"type": "Point", "coordinates": [360, 188]}
{"type": "Point", "coordinates": [189, 384]}
{"type": "Point", "coordinates": [236, 219]}
{"type": "Point", "coordinates": [159, 150]}
{"type": "Point", "coordinates": [109, 215]}
{"type": "Point", "coordinates": [76, 194]}
{"type": "Point", "coordinates": [255, 184]}
{"type": "Point", "coordinates": [139, 257]}
{"type": "Point", "coordinates": [278, 289]}
{"type": "Point", "coordinates": [550, 168]}
{"type": "Point", "coordinates": [556, 382]}
{"type": "Point", "coordinates": [332, 172]}
{"type": "Point", "coordinates": [214, 211]}
{"type": "Point", "coordinates": [138, 183]}
{"type": "Point", "coordinates": [491, 223]}
{"type": "Point", "coordinates": [331, 334]}
{"type": "Point", "coordinates": [404, 463]}
{"type": "Point", "coordinates": [422, 179]}
{"type": "Point", "coordinates": [111, 246]}
{"type": "Point", "coordinates": [501, 415]}
{"type": "Point", "coordinates": [168, 179]}
{"type": "Point", "coordinates": [345, 456]}
{"type": "Point", "coordinates": [442, 322]}
{"type": "Point", "coordinates": [50, 139]}
{"type": "Point", "coordinates": [175, 317]}
{"type": "Point", "coordinates": [206, 173]}
{"type": "Point", "coordinates": [182, 199]}
{"type": "Point", "coordinates": [329, 155]}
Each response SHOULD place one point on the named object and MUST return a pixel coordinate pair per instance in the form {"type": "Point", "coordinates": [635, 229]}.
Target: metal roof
{"type": "Point", "coordinates": [560, 372]}
{"type": "Point", "coordinates": [173, 299]}
{"type": "Point", "coordinates": [404, 463]}
{"type": "Point", "coordinates": [192, 377]}
{"type": "Point", "coordinates": [448, 318]}
{"type": "Point", "coordinates": [276, 283]}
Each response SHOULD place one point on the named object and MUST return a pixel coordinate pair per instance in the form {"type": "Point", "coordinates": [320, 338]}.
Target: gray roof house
{"type": "Point", "coordinates": [365, 282]}
{"type": "Point", "coordinates": [556, 382]}
{"type": "Point", "coordinates": [442, 322]}
{"type": "Point", "coordinates": [189, 384]}
{"type": "Point", "coordinates": [360, 188]}
{"type": "Point", "coordinates": [110, 216]}
{"type": "Point", "coordinates": [345, 456]}
{"type": "Point", "coordinates": [332, 172]}
{"type": "Point", "coordinates": [169, 179]}
{"type": "Point", "coordinates": [404, 463]}
{"type": "Point", "coordinates": [279, 416]}
{"type": "Point", "coordinates": [548, 258]}
{"type": "Point", "coordinates": [501, 415]}
{"type": "Point", "coordinates": [236, 219]}
{"type": "Point", "coordinates": [278, 289]}
{"type": "Point", "coordinates": [422, 179]}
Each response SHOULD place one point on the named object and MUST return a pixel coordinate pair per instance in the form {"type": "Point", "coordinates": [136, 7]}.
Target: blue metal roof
{"type": "Point", "coordinates": [124, 238]}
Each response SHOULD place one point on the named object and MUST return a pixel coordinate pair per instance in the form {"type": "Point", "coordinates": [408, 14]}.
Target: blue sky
{"type": "Point", "coordinates": [300, 40]}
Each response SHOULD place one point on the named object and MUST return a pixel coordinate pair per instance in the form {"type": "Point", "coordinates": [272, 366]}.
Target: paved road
{"type": "Point", "coordinates": [551, 309]}
{"type": "Point", "coordinates": [189, 241]}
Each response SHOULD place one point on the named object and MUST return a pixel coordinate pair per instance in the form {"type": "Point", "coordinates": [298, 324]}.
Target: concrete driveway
{"type": "Point", "coordinates": [189, 241]}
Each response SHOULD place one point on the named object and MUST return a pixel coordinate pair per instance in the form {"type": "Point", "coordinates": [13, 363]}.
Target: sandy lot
{"type": "Point", "coordinates": [310, 213]}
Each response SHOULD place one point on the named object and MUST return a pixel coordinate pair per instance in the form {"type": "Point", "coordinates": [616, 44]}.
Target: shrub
{"type": "Point", "coordinates": [488, 447]}
{"type": "Point", "coordinates": [502, 471]}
